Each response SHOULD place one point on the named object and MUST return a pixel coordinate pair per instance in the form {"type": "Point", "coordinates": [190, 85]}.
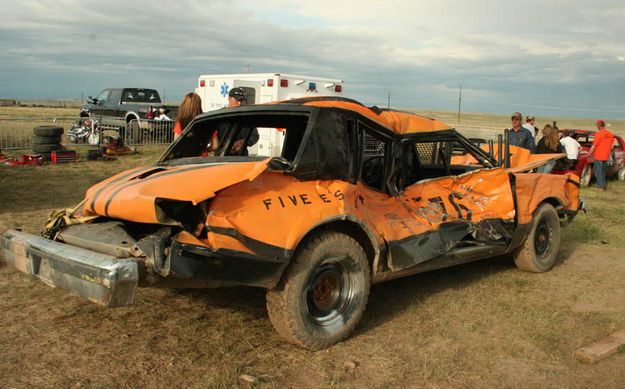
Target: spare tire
{"type": "Point", "coordinates": [46, 148]}
{"type": "Point", "coordinates": [42, 140]}
{"type": "Point", "coordinates": [48, 131]}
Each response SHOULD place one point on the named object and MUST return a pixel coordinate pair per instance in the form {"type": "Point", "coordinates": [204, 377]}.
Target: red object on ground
{"type": "Point", "coordinates": [63, 156]}
{"type": "Point", "coordinates": [26, 159]}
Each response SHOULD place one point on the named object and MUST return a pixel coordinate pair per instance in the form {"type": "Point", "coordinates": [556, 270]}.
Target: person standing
{"type": "Point", "coordinates": [601, 149]}
{"type": "Point", "coordinates": [520, 136]}
{"type": "Point", "coordinates": [529, 125]}
{"type": "Point", "coordinates": [548, 144]}
{"type": "Point", "coordinates": [190, 107]}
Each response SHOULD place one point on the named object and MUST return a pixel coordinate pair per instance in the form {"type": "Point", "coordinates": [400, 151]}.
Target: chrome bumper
{"type": "Point", "coordinates": [101, 278]}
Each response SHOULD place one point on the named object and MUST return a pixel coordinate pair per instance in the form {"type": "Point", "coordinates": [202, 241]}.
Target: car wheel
{"type": "Point", "coordinates": [135, 133]}
{"type": "Point", "coordinates": [44, 140]}
{"type": "Point", "coordinates": [586, 177]}
{"type": "Point", "coordinates": [323, 293]}
{"type": "Point", "coordinates": [47, 148]}
{"type": "Point", "coordinates": [48, 131]}
{"type": "Point", "coordinates": [538, 252]}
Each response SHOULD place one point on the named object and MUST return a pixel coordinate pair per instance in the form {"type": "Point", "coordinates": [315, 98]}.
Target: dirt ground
{"type": "Point", "coordinates": [484, 324]}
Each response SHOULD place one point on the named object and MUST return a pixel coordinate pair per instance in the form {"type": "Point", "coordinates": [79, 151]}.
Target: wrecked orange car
{"type": "Point", "coordinates": [359, 196]}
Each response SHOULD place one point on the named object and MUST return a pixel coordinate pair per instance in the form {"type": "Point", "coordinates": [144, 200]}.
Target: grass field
{"type": "Point", "coordinates": [484, 324]}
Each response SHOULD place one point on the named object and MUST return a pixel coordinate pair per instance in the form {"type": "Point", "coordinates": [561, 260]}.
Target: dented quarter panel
{"type": "Point", "coordinates": [458, 203]}
{"type": "Point", "coordinates": [534, 188]}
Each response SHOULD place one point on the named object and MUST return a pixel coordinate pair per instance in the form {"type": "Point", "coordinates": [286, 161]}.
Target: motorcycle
{"type": "Point", "coordinates": [85, 130]}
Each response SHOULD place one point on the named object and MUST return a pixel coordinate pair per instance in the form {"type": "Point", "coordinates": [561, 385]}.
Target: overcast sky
{"type": "Point", "coordinates": [558, 57]}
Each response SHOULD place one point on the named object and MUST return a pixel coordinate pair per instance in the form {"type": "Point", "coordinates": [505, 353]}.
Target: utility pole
{"type": "Point", "coordinates": [459, 102]}
{"type": "Point", "coordinates": [247, 68]}
{"type": "Point", "coordinates": [388, 99]}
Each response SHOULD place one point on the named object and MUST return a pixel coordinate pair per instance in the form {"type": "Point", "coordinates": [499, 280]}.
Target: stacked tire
{"type": "Point", "coordinates": [47, 139]}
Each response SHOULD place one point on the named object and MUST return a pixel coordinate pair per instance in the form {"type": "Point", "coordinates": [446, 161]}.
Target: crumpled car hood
{"type": "Point", "coordinates": [132, 195]}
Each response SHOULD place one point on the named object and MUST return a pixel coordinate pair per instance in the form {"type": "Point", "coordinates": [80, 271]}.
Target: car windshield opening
{"type": "Point", "coordinates": [244, 135]}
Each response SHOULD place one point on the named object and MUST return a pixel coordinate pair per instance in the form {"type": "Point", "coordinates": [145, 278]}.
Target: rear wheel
{"type": "Point", "coordinates": [135, 132]}
{"type": "Point", "coordinates": [586, 177]}
{"type": "Point", "coordinates": [323, 293]}
{"type": "Point", "coordinates": [538, 252]}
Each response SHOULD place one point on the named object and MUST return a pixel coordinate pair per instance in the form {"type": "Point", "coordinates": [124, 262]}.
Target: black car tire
{"type": "Point", "coordinates": [539, 251]}
{"type": "Point", "coordinates": [42, 140]}
{"type": "Point", "coordinates": [46, 148]}
{"type": "Point", "coordinates": [323, 293]}
{"type": "Point", "coordinates": [586, 177]}
{"type": "Point", "coordinates": [48, 131]}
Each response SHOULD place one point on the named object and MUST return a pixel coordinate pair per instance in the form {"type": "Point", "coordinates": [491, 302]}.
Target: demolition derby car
{"type": "Point", "coordinates": [358, 196]}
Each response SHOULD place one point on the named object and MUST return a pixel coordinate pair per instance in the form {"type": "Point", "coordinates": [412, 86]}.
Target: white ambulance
{"type": "Point", "coordinates": [264, 88]}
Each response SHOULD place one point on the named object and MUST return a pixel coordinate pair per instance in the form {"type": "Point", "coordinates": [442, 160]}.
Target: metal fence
{"type": "Point", "coordinates": [17, 133]}
{"type": "Point", "coordinates": [480, 132]}
{"type": "Point", "coordinates": [148, 132]}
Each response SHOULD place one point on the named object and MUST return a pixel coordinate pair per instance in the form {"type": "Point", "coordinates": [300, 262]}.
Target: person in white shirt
{"type": "Point", "coordinates": [162, 114]}
{"type": "Point", "coordinates": [529, 125]}
{"type": "Point", "coordinates": [571, 146]}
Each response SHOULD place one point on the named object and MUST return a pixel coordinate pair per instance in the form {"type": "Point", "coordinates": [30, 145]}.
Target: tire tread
{"type": "Point", "coordinates": [284, 321]}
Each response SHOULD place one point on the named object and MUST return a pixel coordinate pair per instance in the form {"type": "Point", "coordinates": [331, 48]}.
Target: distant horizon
{"type": "Point", "coordinates": [450, 112]}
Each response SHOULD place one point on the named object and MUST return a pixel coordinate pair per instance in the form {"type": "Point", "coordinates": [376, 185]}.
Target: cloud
{"type": "Point", "coordinates": [551, 54]}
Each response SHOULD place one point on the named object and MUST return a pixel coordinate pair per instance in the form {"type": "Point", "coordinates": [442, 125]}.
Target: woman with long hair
{"type": "Point", "coordinates": [190, 107]}
{"type": "Point", "coordinates": [549, 144]}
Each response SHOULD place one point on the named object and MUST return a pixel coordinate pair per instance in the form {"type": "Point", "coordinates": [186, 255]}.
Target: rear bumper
{"type": "Point", "coordinates": [101, 278]}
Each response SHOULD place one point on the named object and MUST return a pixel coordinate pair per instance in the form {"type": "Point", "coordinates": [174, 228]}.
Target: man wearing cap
{"type": "Point", "coordinates": [519, 136]}
{"type": "Point", "coordinates": [601, 149]}
{"type": "Point", "coordinates": [529, 125]}
{"type": "Point", "coordinates": [236, 98]}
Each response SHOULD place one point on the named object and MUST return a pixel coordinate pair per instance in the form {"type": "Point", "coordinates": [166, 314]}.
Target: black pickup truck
{"type": "Point", "coordinates": [119, 107]}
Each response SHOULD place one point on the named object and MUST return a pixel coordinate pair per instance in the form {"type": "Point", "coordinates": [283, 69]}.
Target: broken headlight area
{"type": "Point", "coordinates": [185, 214]}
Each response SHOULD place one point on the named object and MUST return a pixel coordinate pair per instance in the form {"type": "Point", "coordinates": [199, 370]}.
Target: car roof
{"type": "Point", "coordinates": [398, 122]}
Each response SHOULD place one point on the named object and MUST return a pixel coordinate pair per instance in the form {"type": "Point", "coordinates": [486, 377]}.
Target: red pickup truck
{"type": "Point", "coordinates": [583, 167]}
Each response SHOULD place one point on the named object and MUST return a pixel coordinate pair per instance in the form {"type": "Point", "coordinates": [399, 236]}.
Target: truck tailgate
{"type": "Point", "coordinates": [99, 277]}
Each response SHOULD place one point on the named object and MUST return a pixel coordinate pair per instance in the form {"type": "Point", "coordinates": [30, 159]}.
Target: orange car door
{"type": "Point", "coordinates": [450, 207]}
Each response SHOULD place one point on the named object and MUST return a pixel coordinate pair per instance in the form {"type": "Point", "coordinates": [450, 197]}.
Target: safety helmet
{"type": "Point", "coordinates": [237, 93]}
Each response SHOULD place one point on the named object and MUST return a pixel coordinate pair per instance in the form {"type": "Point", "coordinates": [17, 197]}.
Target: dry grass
{"type": "Point", "coordinates": [503, 121]}
{"type": "Point", "coordinates": [481, 324]}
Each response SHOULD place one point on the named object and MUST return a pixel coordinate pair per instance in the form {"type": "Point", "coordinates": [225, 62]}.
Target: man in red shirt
{"type": "Point", "coordinates": [601, 149]}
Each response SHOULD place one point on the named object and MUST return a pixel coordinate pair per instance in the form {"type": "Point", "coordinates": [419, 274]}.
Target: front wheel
{"type": "Point", "coordinates": [584, 180]}
{"type": "Point", "coordinates": [323, 293]}
{"type": "Point", "coordinates": [538, 252]}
